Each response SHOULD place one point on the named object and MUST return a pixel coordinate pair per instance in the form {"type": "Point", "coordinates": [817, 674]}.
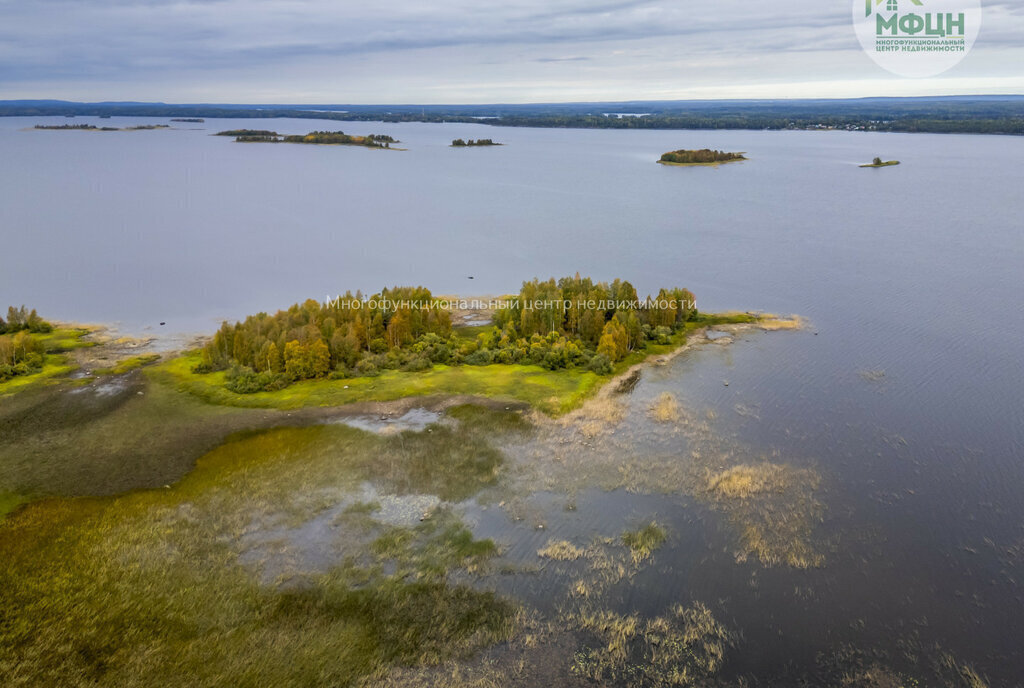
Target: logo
{"type": "Point", "coordinates": [917, 38]}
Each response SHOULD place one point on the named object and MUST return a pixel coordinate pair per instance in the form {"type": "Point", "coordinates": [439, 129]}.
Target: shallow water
{"type": "Point", "coordinates": [413, 419]}
{"type": "Point", "coordinates": [904, 393]}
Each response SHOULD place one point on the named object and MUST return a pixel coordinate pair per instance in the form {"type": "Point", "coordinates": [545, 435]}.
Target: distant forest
{"type": "Point", "coordinates": [573, 322]}
{"type": "Point", "coordinates": [962, 114]}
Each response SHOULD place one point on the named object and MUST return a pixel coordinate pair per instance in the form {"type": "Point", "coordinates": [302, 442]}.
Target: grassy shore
{"type": "Point", "coordinates": [887, 163]}
{"type": "Point", "coordinates": [56, 363]}
{"type": "Point", "coordinates": [551, 391]}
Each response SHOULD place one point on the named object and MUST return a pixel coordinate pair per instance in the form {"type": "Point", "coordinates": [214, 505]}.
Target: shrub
{"type": "Point", "coordinates": [600, 364]}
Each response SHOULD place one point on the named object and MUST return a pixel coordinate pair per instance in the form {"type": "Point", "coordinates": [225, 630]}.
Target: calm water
{"type": "Point", "coordinates": [912, 273]}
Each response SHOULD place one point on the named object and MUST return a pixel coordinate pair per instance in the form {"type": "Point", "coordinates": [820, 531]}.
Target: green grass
{"type": "Point", "coordinates": [128, 364]}
{"type": "Point", "coordinates": [60, 441]}
{"type": "Point", "coordinates": [151, 587]}
{"type": "Point", "coordinates": [645, 541]}
{"type": "Point", "coordinates": [65, 339]}
{"type": "Point", "coordinates": [55, 364]}
{"type": "Point", "coordinates": [887, 163]}
{"type": "Point", "coordinates": [471, 331]}
{"type": "Point", "coordinates": [552, 391]}
{"type": "Point", "coordinates": [9, 501]}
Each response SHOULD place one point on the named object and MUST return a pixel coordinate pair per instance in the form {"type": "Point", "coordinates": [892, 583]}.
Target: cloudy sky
{"type": "Point", "coordinates": [447, 51]}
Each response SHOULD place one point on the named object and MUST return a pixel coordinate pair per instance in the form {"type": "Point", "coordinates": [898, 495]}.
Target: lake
{"type": "Point", "coordinates": [905, 392]}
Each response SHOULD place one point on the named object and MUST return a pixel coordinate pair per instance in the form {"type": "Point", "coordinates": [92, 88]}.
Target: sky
{"type": "Point", "coordinates": [467, 51]}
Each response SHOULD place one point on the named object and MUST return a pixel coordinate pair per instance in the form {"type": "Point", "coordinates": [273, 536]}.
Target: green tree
{"type": "Point", "coordinates": [296, 361]}
{"type": "Point", "coordinates": [319, 359]}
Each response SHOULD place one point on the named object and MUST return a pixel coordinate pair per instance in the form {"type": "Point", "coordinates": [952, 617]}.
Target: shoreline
{"type": "Point", "coordinates": [103, 352]}
{"type": "Point", "coordinates": [700, 164]}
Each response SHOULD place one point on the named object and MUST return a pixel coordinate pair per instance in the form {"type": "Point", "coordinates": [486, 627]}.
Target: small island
{"type": "Point", "coordinates": [188, 119]}
{"type": "Point", "coordinates": [459, 143]}
{"type": "Point", "coordinates": [704, 156]}
{"type": "Point", "coordinates": [316, 137]}
{"type": "Point", "coordinates": [93, 127]}
{"type": "Point", "coordinates": [877, 162]}
{"type": "Point", "coordinates": [248, 132]}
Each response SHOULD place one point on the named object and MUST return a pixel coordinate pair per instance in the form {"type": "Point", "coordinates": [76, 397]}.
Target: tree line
{"type": "Point", "coordinates": [570, 323]}
{"type": "Point", "coordinates": [471, 142]}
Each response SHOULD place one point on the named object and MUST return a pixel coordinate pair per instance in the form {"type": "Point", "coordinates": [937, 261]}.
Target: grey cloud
{"type": "Point", "coordinates": [289, 43]}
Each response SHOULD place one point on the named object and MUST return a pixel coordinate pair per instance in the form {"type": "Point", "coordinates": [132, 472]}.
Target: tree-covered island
{"type": "Point", "coordinates": [248, 132]}
{"type": "Point", "coordinates": [93, 127]}
{"type": "Point", "coordinates": [459, 143]}
{"type": "Point", "coordinates": [315, 137]}
{"type": "Point", "coordinates": [572, 323]}
{"type": "Point", "coordinates": [704, 156]}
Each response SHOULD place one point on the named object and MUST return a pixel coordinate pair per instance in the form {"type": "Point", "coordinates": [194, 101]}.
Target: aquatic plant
{"type": "Point", "coordinates": [665, 408]}
{"type": "Point", "coordinates": [644, 541]}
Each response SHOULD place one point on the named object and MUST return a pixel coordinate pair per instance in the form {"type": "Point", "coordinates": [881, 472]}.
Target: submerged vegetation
{"type": "Point", "coordinates": [167, 583]}
{"type": "Point", "coordinates": [644, 541]}
{"type": "Point", "coordinates": [681, 648]}
{"type": "Point", "coordinates": [774, 510]}
{"type": "Point", "coordinates": [665, 408]}
{"type": "Point", "coordinates": [288, 548]}
{"type": "Point", "coordinates": [703, 156]}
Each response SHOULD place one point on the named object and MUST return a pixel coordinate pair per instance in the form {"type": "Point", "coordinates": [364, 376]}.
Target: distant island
{"type": "Point", "coordinates": [73, 126]}
{"type": "Point", "coordinates": [248, 132]}
{"type": "Point", "coordinates": [187, 119]}
{"type": "Point", "coordinates": [877, 162]}
{"type": "Point", "coordinates": [459, 143]}
{"type": "Point", "coordinates": [318, 137]}
{"type": "Point", "coordinates": [703, 156]}
{"type": "Point", "coordinates": [93, 127]}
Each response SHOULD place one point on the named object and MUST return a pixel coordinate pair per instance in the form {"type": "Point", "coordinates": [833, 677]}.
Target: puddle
{"type": "Point", "coordinates": [107, 388]}
{"type": "Point", "coordinates": [416, 419]}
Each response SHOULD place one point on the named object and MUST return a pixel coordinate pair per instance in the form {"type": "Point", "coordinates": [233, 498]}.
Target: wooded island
{"type": "Point", "coordinates": [704, 156]}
